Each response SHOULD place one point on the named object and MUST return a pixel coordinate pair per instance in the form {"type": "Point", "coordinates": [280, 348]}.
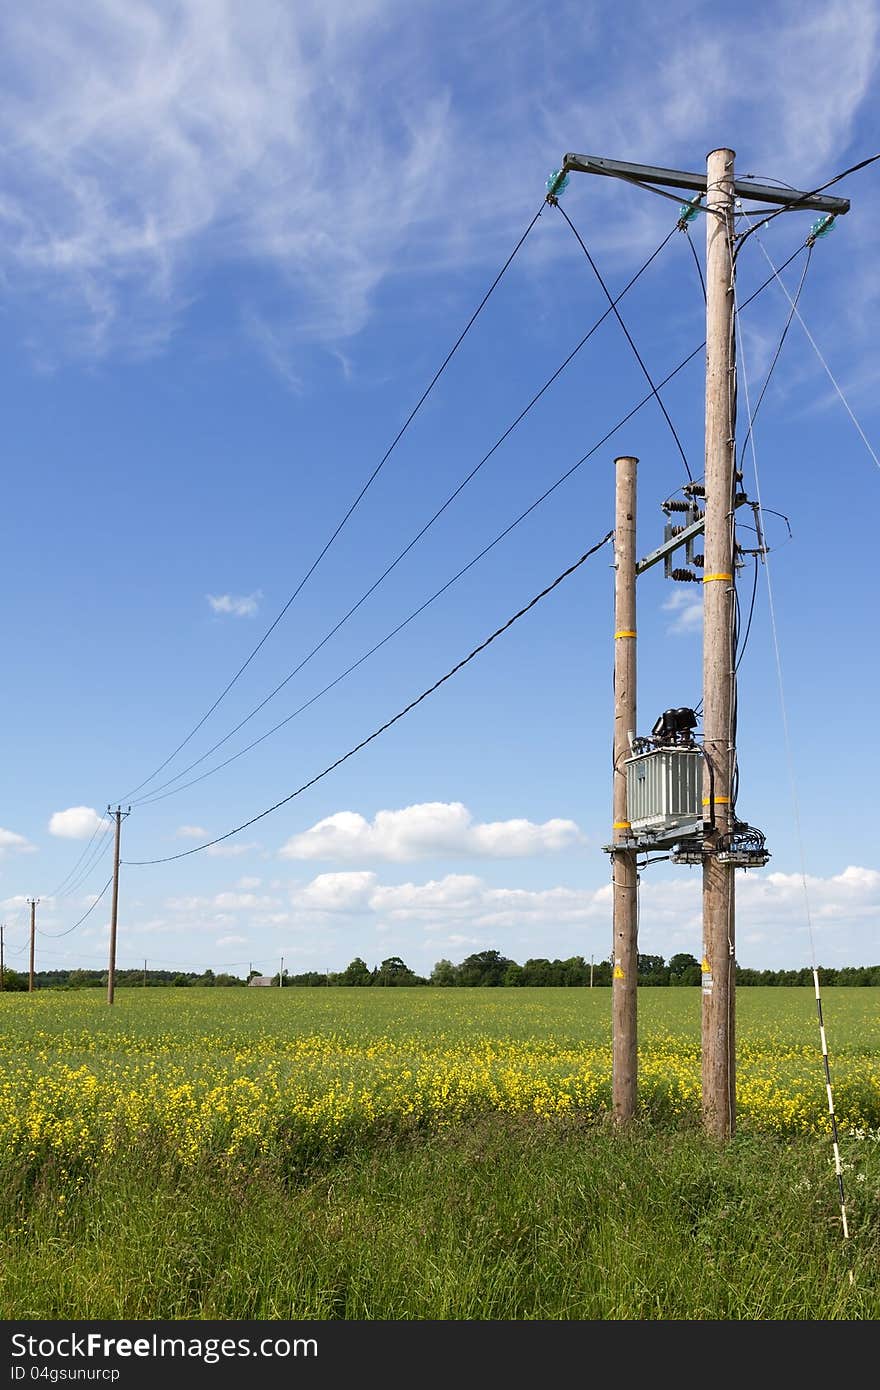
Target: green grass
{"type": "Point", "coordinates": [481, 1215]}
{"type": "Point", "coordinates": [502, 1219]}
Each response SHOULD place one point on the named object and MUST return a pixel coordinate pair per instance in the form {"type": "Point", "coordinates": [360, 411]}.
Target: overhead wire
{"type": "Point", "coordinates": [838, 1166]}
{"type": "Point", "coordinates": [156, 792]}
{"type": "Point", "coordinates": [183, 854]}
{"type": "Point", "coordinates": [358, 498]}
{"type": "Point", "coordinates": [792, 207]}
{"type": "Point", "coordinates": [68, 930]}
{"type": "Point", "coordinates": [629, 339]}
{"type": "Point", "coordinates": [795, 311]}
{"type": "Point", "coordinates": [161, 794]}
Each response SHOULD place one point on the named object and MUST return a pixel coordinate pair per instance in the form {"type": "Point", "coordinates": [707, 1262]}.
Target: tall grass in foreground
{"type": "Point", "coordinates": [506, 1218]}
{"type": "Point", "coordinates": [429, 1154]}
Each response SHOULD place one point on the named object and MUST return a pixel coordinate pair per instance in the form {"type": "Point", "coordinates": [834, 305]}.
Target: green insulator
{"type": "Point", "coordinates": [557, 183]}
{"type": "Point", "coordinates": [687, 212]}
{"type": "Point", "coordinates": [822, 226]}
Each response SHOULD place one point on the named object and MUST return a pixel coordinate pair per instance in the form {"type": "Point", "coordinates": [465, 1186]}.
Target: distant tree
{"type": "Point", "coordinates": [484, 968]}
{"type": "Point", "coordinates": [355, 973]}
{"type": "Point", "coordinates": [444, 973]}
{"type": "Point", "coordinates": [513, 975]}
{"type": "Point", "coordinates": [537, 971]}
{"type": "Point", "coordinates": [14, 982]}
{"type": "Point", "coordinates": [394, 971]}
{"type": "Point", "coordinates": [684, 969]}
{"type": "Point", "coordinates": [652, 970]}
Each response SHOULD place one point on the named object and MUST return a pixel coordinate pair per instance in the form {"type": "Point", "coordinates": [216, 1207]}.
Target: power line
{"type": "Point", "coordinates": [157, 791]}
{"type": "Point", "coordinates": [394, 719]}
{"type": "Point", "coordinates": [375, 473]}
{"type": "Point", "coordinates": [818, 353]}
{"type": "Point", "coordinates": [853, 169]}
{"type": "Point", "coordinates": [99, 825]}
{"type": "Point", "coordinates": [161, 795]}
{"type": "Point", "coordinates": [626, 331]}
{"type": "Point", "coordinates": [794, 304]}
{"type": "Point", "coordinates": [68, 930]}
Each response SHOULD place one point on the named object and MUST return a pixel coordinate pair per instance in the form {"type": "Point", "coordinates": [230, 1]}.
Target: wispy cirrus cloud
{"type": "Point", "coordinates": [326, 143]}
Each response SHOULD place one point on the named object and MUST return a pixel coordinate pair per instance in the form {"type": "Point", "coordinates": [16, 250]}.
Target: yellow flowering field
{"type": "Point", "coordinates": [240, 1073]}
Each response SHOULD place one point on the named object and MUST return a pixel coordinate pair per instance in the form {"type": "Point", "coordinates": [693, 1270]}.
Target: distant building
{"type": "Point", "coordinates": [261, 980]}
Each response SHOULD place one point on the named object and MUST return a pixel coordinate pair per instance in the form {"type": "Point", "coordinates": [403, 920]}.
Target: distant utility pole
{"type": "Point", "coordinates": [2, 976]}
{"type": "Point", "coordinates": [591, 972]}
{"type": "Point", "coordinates": [145, 974]}
{"type": "Point", "coordinates": [281, 974]}
{"type": "Point", "coordinates": [624, 1064]}
{"type": "Point", "coordinates": [721, 191]}
{"type": "Point", "coordinates": [118, 815]}
{"type": "Point", "coordinates": [33, 902]}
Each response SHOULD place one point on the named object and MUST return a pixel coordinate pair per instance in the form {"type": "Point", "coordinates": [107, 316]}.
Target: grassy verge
{"type": "Point", "coordinates": [506, 1218]}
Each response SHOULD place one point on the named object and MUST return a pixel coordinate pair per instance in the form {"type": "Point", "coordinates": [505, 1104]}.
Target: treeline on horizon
{"type": "Point", "coordinates": [482, 969]}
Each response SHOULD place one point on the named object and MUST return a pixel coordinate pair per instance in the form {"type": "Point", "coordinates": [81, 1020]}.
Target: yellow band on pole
{"type": "Point", "coordinates": [707, 800]}
{"type": "Point", "coordinates": [625, 632]}
{"type": "Point", "coordinates": [708, 578]}
{"type": "Point", "coordinates": [622, 825]}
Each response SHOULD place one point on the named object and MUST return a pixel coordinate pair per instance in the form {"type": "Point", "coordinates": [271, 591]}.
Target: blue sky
{"type": "Point", "coordinates": [238, 242]}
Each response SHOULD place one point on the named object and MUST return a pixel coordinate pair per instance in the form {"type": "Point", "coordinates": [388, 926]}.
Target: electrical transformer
{"type": "Point", "coordinates": [664, 793]}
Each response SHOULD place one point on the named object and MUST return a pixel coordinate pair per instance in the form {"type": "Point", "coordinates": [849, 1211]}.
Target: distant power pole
{"type": "Point", "coordinates": [281, 974]}
{"type": "Point", "coordinates": [2, 977]}
{"type": "Point", "coordinates": [114, 908]}
{"type": "Point", "coordinates": [624, 1063]}
{"type": "Point", "coordinates": [145, 974]}
{"type": "Point", "coordinates": [591, 972]}
{"type": "Point", "coordinates": [33, 902]}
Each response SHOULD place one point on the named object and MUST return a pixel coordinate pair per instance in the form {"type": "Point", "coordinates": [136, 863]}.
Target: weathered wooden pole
{"type": "Point", "coordinates": [623, 861]}
{"type": "Point", "coordinates": [719, 927]}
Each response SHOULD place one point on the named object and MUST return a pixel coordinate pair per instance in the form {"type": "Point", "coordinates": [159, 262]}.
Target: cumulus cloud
{"type": "Point", "coordinates": [76, 823]}
{"type": "Point", "coordinates": [11, 842]}
{"type": "Point", "coordinates": [239, 605]}
{"type": "Point", "coordinates": [191, 832]}
{"type": "Point", "coordinates": [425, 831]}
{"type": "Point", "coordinates": [349, 892]}
{"type": "Point", "coordinates": [231, 941]}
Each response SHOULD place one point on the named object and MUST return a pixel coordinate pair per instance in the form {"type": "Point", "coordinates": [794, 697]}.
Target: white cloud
{"type": "Point", "coordinates": [191, 832]}
{"type": "Point", "coordinates": [240, 606]}
{"type": "Point", "coordinates": [11, 841]}
{"type": "Point", "coordinates": [247, 883]}
{"type": "Point", "coordinates": [349, 892]}
{"type": "Point", "coordinates": [143, 142]}
{"type": "Point", "coordinates": [232, 941]}
{"type": "Point", "coordinates": [76, 823]}
{"type": "Point", "coordinates": [426, 831]}
{"type": "Point", "coordinates": [686, 606]}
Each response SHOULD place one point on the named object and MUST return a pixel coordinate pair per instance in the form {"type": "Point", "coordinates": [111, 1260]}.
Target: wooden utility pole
{"type": "Point", "coordinates": [2, 975]}
{"type": "Point", "coordinates": [33, 902]}
{"type": "Point", "coordinates": [721, 189]}
{"type": "Point", "coordinates": [145, 974]}
{"type": "Point", "coordinates": [281, 974]}
{"type": "Point", "coordinates": [623, 861]}
{"type": "Point", "coordinates": [719, 926]}
{"type": "Point", "coordinates": [114, 906]}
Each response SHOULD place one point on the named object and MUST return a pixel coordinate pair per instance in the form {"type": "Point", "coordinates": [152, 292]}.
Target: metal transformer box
{"type": "Point", "coordinates": [664, 791]}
